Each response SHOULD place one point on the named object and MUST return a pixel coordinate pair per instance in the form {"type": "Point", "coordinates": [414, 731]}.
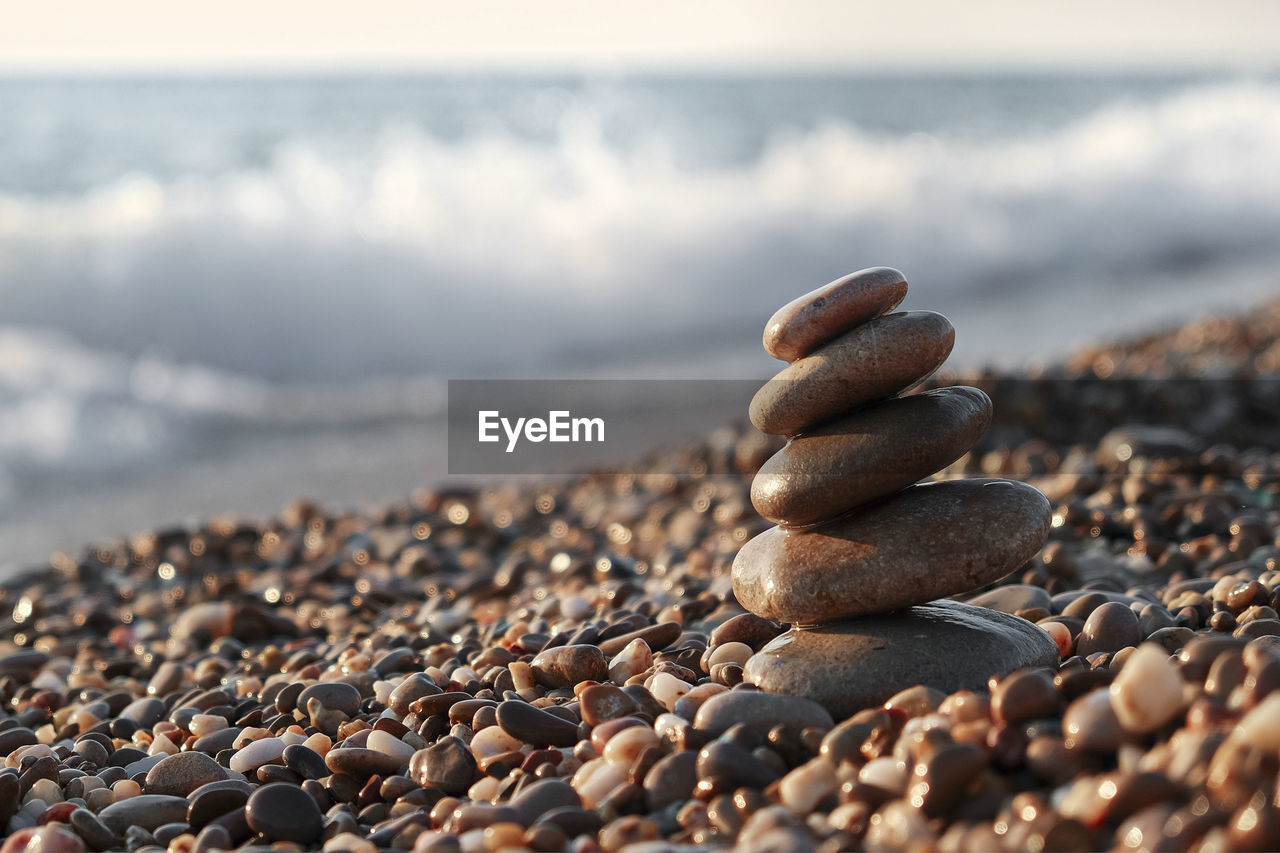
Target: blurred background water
{"type": "Point", "coordinates": [220, 292]}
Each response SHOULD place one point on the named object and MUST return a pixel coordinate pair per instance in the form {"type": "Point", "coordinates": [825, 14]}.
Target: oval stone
{"type": "Point", "coordinates": [363, 763]}
{"type": "Point", "coordinates": [565, 666]}
{"type": "Point", "coordinates": [926, 542]}
{"type": "Point", "coordinates": [178, 775]}
{"type": "Point", "coordinates": [850, 665]}
{"type": "Point", "coordinates": [334, 695]}
{"type": "Point", "coordinates": [869, 454]}
{"type": "Point", "coordinates": [147, 811]}
{"type": "Point", "coordinates": [878, 359]}
{"type": "Point", "coordinates": [759, 711]}
{"type": "Point", "coordinates": [808, 321]}
{"type": "Point", "coordinates": [1013, 597]}
{"type": "Point", "coordinates": [1110, 627]}
{"type": "Point", "coordinates": [534, 725]}
{"type": "Point", "coordinates": [284, 812]}
{"type": "Point", "coordinates": [447, 765]}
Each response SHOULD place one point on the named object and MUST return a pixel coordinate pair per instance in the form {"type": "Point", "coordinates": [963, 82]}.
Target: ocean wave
{"type": "Point", "coordinates": [68, 409]}
{"type": "Point", "coordinates": [421, 255]}
{"type": "Point", "coordinates": [144, 309]}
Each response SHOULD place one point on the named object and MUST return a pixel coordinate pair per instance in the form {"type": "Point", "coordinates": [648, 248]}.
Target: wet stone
{"type": "Point", "coordinates": [1090, 724]}
{"type": "Point", "coordinates": [447, 765]}
{"type": "Point", "coordinates": [1025, 695]}
{"type": "Point", "coordinates": [283, 812]}
{"type": "Point", "coordinates": [671, 779]}
{"type": "Point", "coordinates": [168, 677]}
{"type": "Point", "coordinates": [23, 664]}
{"type": "Point", "coordinates": [1110, 627]}
{"type": "Point", "coordinates": [333, 695]}
{"type": "Point", "coordinates": [306, 762]}
{"type": "Point", "coordinates": [214, 803]}
{"type": "Point", "coordinates": [395, 660]}
{"type": "Point", "coordinates": [535, 726]}
{"type": "Point", "coordinates": [165, 834]}
{"type": "Point", "coordinates": [656, 637]}
{"type": "Point", "coordinates": [724, 765]}
{"type": "Point", "coordinates": [602, 702]}
{"type": "Point", "coordinates": [15, 738]}
{"type": "Point", "coordinates": [144, 712]}
{"type": "Point", "coordinates": [565, 666]}
{"type": "Point", "coordinates": [412, 687]}
{"type": "Point", "coordinates": [746, 628]}
{"type": "Point", "coordinates": [218, 741]}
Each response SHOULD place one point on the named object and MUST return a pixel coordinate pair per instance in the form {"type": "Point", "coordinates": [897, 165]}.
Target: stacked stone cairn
{"type": "Point", "coordinates": [862, 549]}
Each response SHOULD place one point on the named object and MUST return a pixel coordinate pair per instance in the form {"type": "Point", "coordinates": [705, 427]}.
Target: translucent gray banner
{"type": "Point", "coordinates": [501, 427]}
{"type": "Point", "coordinates": [571, 426]}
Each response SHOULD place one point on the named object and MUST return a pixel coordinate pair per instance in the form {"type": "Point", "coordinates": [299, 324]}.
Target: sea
{"type": "Point", "coordinates": [220, 292]}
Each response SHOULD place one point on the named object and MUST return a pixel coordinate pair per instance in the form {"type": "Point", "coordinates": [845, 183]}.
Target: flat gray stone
{"type": "Point", "coordinates": [760, 711]}
{"type": "Point", "coordinates": [147, 811]}
{"type": "Point", "coordinates": [179, 775]}
{"type": "Point", "coordinates": [144, 765]}
{"type": "Point", "coordinates": [1013, 597]}
{"type": "Point", "coordinates": [855, 664]}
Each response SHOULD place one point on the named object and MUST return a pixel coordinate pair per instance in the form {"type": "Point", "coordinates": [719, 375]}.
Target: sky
{"type": "Point", "coordinates": [338, 34]}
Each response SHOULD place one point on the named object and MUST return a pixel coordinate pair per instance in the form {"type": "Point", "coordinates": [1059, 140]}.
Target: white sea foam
{"type": "Point", "coordinates": [146, 308]}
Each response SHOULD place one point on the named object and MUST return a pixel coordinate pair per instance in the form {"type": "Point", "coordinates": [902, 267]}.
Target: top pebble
{"type": "Point", "coordinates": [803, 324]}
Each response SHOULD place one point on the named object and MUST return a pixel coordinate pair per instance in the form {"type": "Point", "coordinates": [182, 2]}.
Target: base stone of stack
{"type": "Point", "coordinates": [850, 665]}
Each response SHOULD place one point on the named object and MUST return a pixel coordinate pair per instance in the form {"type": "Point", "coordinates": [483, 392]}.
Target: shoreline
{"type": "Point", "coordinates": [352, 468]}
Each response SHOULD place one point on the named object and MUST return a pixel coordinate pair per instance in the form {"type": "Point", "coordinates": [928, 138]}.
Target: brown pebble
{"type": "Point", "coordinates": [534, 725]}
{"type": "Point", "coordinates": [871, 453]}
{"type": "Point", "coordinates": [447, 764]}
{"type": "Point", "coordinates": [362, 763]}
{"type": "Point", "coordinates": [671, 780]}
{"type": "Point", "coordinates": [747, 628]}
{"type": "Point", "coordinates": [601, 702]}
{"type": "Point", "coordinates": [1090, 724]}
{"type": "Point", "coordinates": [565, 666]}
{"type": "Point", "coordinates": [945, 777]}
{"type": "Point", "coordinates": [923, 543]}
{"type": "Point", "coordinates": [1025, 695]}
{"type": "Point", "coordinates": [536, 799]}
{"type": "Point", "coordinates": [656, 637]}
{"type": "Point", "coordinates": [834, 379]}
{"type": "Point", "coordinates": [1110, 627]}
{"type": "Point", "coordinates": [820, 315]}
{"type": "Point", "coordinates": [413, 687]}
{"type": "Point", "coordinates": [179, 775]}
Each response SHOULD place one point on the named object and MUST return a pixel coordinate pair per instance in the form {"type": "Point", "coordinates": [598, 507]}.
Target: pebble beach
{"type": "Point", "coordinates": [560, 665]}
